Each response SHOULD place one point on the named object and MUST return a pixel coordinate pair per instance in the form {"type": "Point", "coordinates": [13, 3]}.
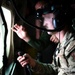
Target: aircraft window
{"type": "Point", "coordinates": [1, 41]}
{"type": "Point", "coordinates": [7, 15]}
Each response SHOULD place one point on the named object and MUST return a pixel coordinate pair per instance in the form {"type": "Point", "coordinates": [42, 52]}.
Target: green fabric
{"type": "Point", "coordinates": [43, 69]}
{"type": "Point", "coordinates": [41, 43]}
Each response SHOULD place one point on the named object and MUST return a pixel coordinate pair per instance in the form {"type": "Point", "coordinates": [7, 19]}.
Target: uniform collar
{"type": "Point", "coordinates": [67, 38]}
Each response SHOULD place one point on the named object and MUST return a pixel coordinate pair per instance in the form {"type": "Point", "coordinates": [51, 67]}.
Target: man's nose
{"type": "Point", "coordinates": [43, 23]}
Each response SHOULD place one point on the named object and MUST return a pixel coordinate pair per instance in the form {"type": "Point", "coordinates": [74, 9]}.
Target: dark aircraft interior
{"type": "Point", "coordinates": [22, 13]}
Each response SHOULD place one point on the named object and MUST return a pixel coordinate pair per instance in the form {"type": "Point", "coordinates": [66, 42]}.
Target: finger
{"type": "Point", "coordinates": [16, 26]}
{"type": "Point", "coordinates": [27, 56]}
{"type": "Point", "coordinates": [13, 29]}
{"type": "Point", "coordinates": [51, 38]}
{"type": "Point", "coordinates": [23, 63]}
{"type": "Point", "coordinates": [56, 40]}
{"type": "Point", "coordinates": [21, 58]}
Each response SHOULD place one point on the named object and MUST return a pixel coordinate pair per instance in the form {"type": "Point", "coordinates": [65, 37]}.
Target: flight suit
{"type": "Point", "coordinates": [63, 59]}
{"type": "Point", "coordinates": [41, 43]}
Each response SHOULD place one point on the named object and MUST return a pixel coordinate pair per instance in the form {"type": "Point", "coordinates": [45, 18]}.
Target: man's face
{"type": "Point", "coordinates": [39, 5]}
{"type": "Point", "coordinates": [48, 22]}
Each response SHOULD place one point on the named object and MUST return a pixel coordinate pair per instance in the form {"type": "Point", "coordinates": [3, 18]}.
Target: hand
{"type": "Point", "coordinates": [54, 39]}
{"type": "Point", "coordinates": [21, 32]}
{"type": "Point", "coordinates": [26, 59]}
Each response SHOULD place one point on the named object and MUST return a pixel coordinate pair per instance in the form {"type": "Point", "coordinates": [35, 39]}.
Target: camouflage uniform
{"type": "Point", "coordinates": [63, 59]}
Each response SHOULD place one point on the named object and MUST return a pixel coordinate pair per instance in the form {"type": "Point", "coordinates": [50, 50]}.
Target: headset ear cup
{"type": "Point", "coordinates": [59, 19]}
{"type": "Point", "coordinates": [54, 23]}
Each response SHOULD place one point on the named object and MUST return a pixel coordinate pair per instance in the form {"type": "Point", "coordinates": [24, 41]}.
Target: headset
{"type": "Point", "coordinates": [63, 15]}
{"type": "Point", "coordinates": [50, 8]}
